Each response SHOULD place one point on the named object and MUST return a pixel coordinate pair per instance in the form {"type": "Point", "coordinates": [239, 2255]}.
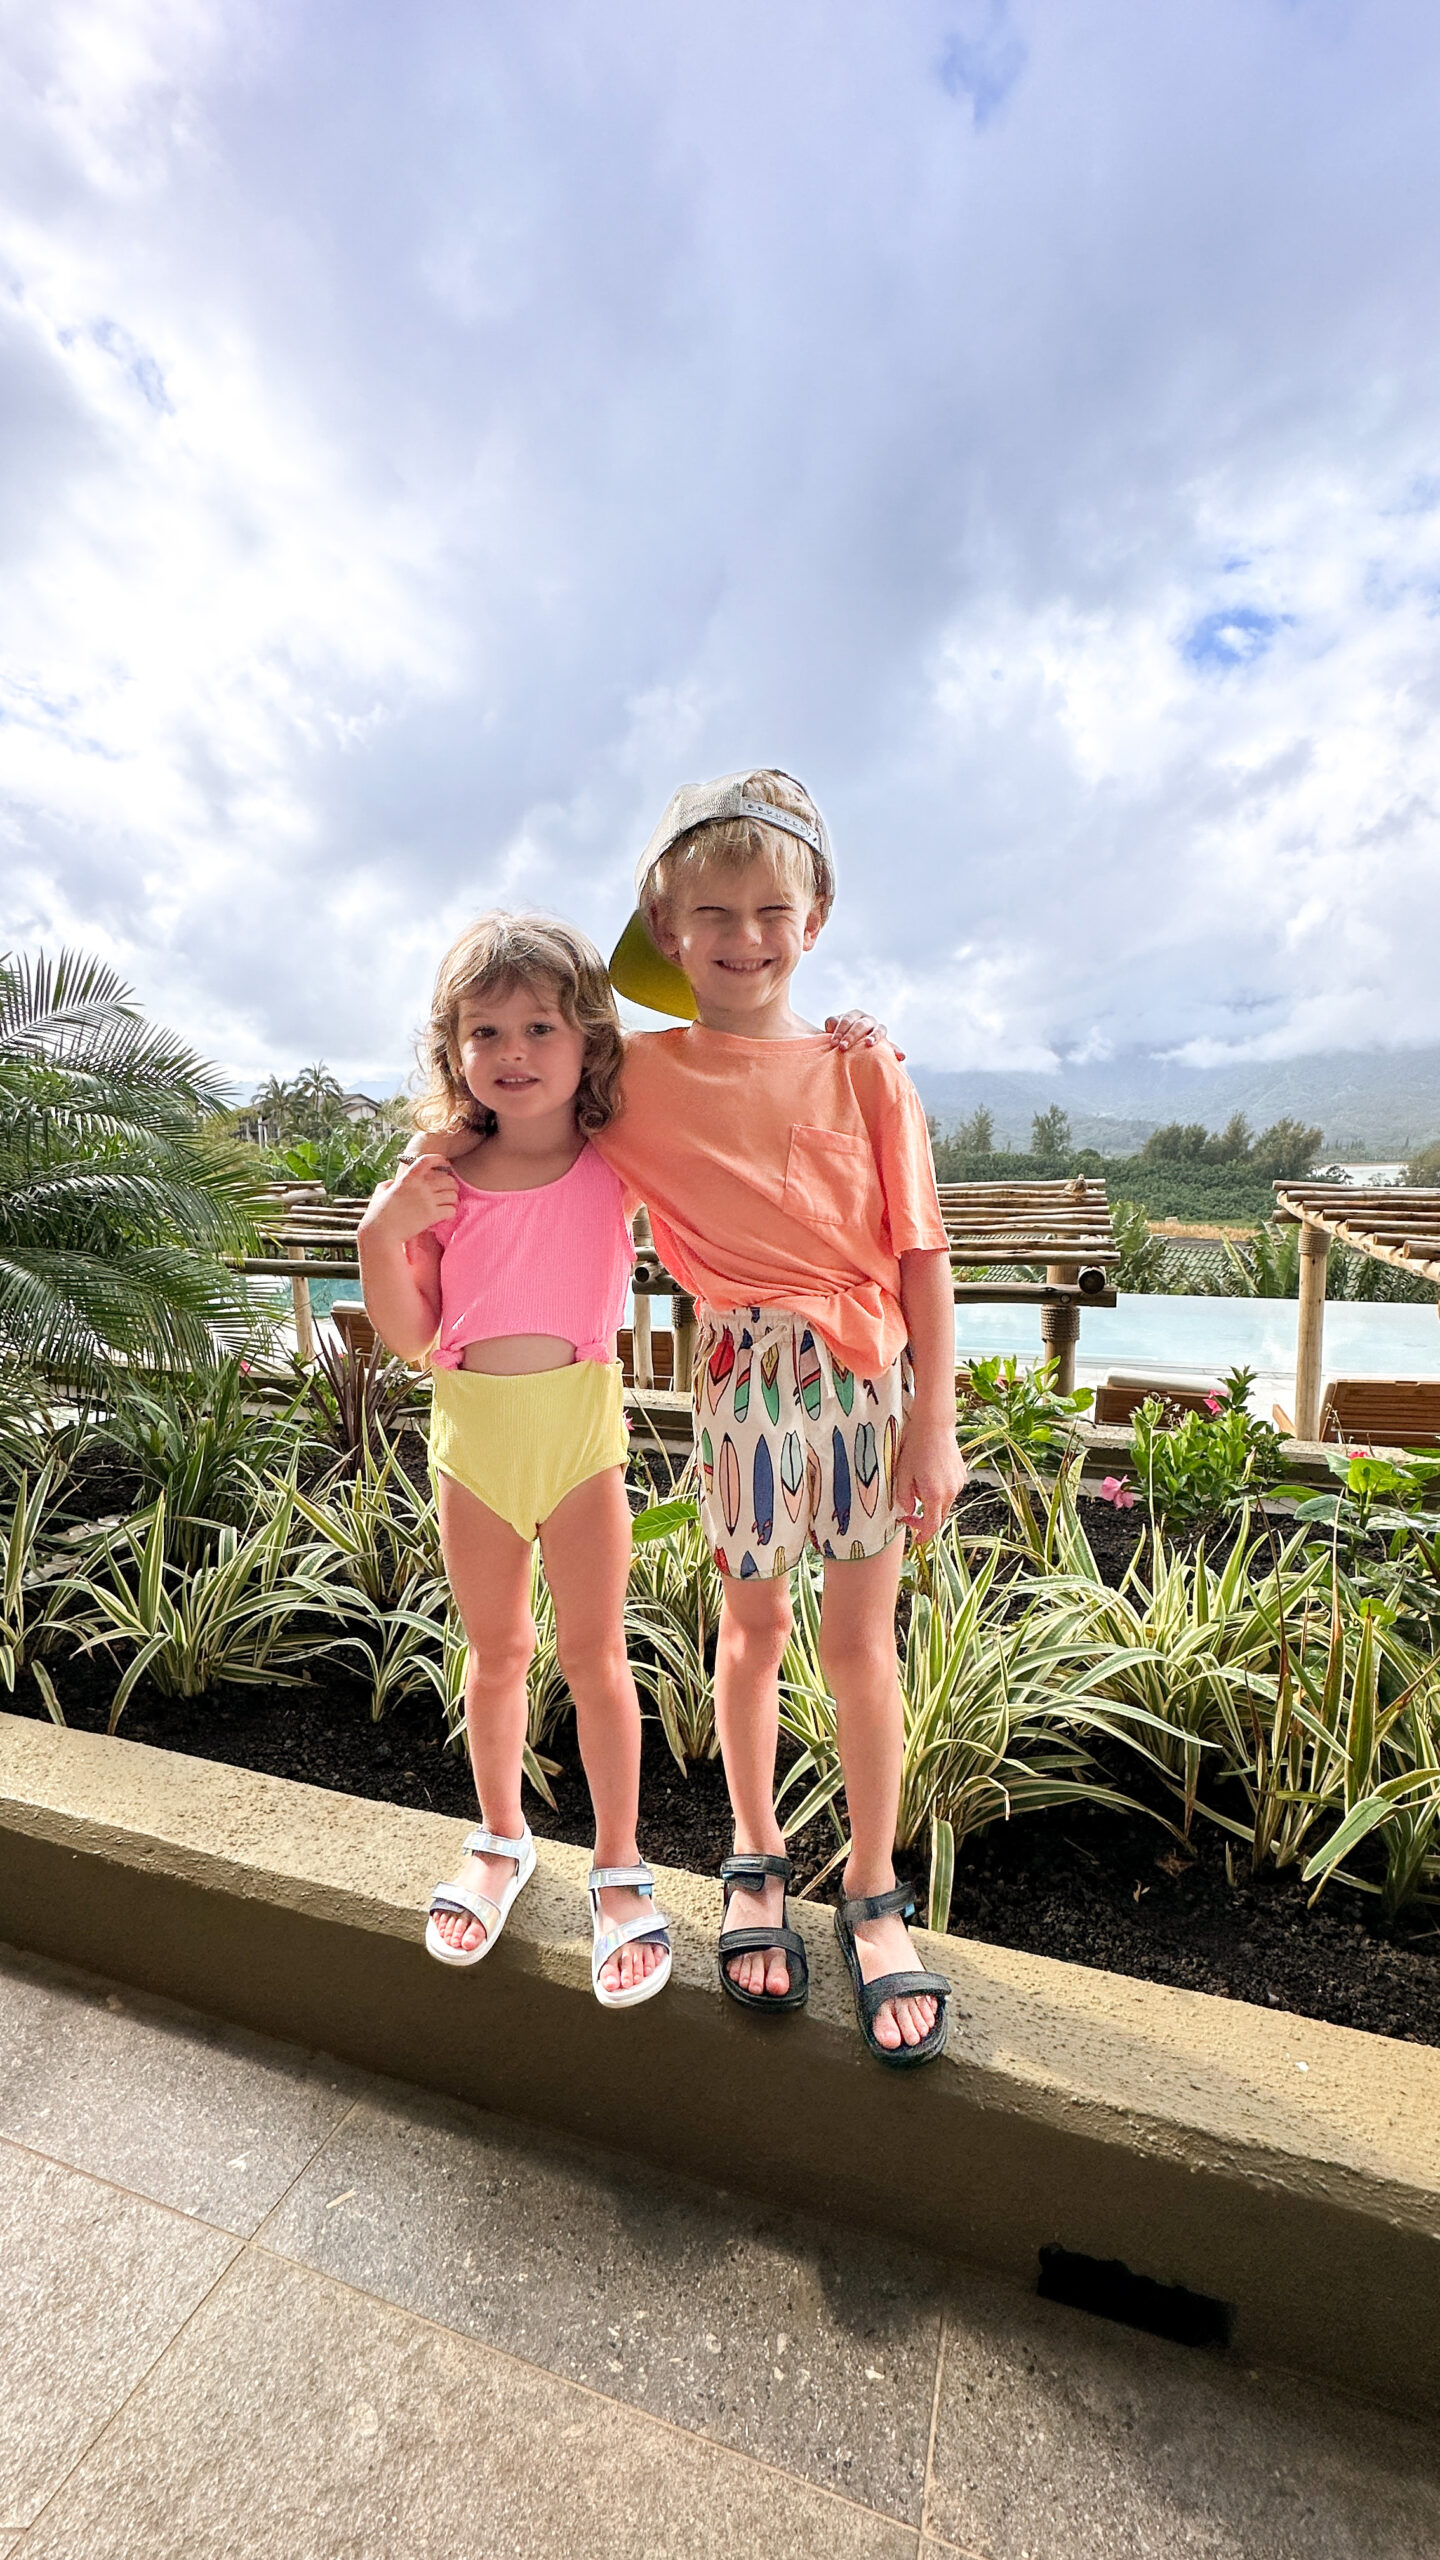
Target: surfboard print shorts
{"type": "Point", "coordinates": [794, 1450]}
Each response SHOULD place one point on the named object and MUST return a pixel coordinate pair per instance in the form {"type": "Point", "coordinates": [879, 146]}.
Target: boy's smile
{"type": "Point", "coordinates": [739, 936]}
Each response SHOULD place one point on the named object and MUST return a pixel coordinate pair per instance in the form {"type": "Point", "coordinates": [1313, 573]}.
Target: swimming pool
{"type": "Point", "coordinates": [1185, 1338]}
{"type": "Point", "coordinates": [1179, 1338]}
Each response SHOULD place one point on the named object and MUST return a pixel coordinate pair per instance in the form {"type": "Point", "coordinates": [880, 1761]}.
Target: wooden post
{"type": "Point", "coordinates": [1060, 1327]}
{"type": "Point", "coordinates": [644, 1346]}
{"type": "Point", "coordinates": [304, 1321]}
{"type": "Point", "coordinates": [686, 1330]}
{"type": "Point", "coordinates": [1310, 1330]}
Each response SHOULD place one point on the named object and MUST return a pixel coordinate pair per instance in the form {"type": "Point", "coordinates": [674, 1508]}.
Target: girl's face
{"type": "Point", "coordinates": [518, 1054]}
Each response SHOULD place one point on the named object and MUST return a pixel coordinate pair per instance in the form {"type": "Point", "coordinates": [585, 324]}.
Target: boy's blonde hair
{"type": "Point", "coordinates": [490, 957]}
{"type": "Point", "coordinates": [732, 844]}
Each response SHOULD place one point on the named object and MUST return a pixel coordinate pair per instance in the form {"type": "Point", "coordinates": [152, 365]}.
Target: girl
{"type": "Point", "coordinates": [504, 1264]}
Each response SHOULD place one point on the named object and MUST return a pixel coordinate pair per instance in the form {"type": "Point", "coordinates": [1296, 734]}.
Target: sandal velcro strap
{"type": "Point", "coordinates": [651, 1931]}
{"type": "Point", "coordinates": [878, 1906]}
{"type": "Point", "coordinates": [466, 1905]}
{"type": "Point", "coordinates": [757, 1942]}
{"type": "Point", "coordinates": [493, 1844]}
{"type": "Point", "coordinates": [751, 1867]}
{"type": "Point", "coordinates": [902, 1986]}
{"type": "Point", "coordinates": [602, 1878]}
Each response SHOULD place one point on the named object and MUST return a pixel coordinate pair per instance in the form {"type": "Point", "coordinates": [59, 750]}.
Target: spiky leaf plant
{"type": "Point", "coordinates": [1001, 1706]}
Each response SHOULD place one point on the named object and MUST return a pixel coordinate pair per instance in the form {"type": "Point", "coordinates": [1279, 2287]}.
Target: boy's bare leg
{"type": "Point", "coordinates": [857, 1653]}
{"type": "Point", "coordinates": [754, 1629]}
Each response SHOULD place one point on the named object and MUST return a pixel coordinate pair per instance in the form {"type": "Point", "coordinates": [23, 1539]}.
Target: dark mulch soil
{"type": "Point", "coordinates": [1090, 1886]}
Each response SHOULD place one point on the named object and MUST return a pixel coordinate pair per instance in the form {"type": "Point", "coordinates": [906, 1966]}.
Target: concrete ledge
{"type": "Point", "coordinates": [1290, 2168]}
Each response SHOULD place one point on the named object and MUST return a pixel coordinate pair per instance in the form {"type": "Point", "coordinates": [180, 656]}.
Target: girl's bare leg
{"type": "Point", "coordinates": [488, 1564]}
{"type": "Point", "coordinates": [586, 1546]}
{"type": "Point", "coordinates": [857, 1654]}
{"type": "Point", "coordinates": [754, 1630]}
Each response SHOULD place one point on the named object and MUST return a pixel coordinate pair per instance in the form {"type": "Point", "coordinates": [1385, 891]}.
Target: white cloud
{"type": "Point", "coordinates": [432, 435]}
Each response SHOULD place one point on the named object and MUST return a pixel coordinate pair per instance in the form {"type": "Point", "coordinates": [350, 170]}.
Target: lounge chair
{"type": "Point", "coordinates": [1120, 1398]}
{"type": "Point", "coordinates": [353, 1326]}
{"type": "Point", "coordinates": [662, 1356]}
{"type": "Point", "coordinates": [1386, 1413]}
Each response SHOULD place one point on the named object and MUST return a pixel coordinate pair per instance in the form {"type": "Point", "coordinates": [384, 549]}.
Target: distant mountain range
{"type": "Point", "coordinates": [1369, 1102]}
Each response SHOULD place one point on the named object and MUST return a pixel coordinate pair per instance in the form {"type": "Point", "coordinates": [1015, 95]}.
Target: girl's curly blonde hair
{"type": "Point", "coordinates": [490, 957]}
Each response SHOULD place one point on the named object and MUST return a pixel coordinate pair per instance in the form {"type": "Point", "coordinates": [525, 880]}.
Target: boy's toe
{"type": "Point", "coordinates": [777, 1975]}
{"type": "Point", "coordinates": [917, 2017]}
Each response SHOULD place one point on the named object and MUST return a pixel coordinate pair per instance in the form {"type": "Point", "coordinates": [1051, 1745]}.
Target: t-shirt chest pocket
{"type": "Point", "coordinates": [827, 1177]}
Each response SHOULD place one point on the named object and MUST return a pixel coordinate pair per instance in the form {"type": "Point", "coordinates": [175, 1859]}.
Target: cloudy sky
{"type": "Point", "coordinates": [431, 431]}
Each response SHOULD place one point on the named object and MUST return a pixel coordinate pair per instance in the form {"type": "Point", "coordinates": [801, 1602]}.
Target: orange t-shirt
{"type": "Point", "coordinates": [783, 1173]}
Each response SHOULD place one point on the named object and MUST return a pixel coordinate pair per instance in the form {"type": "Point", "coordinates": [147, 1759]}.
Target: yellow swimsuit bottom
{"type": "Point", "coordinates": [521, 1444]}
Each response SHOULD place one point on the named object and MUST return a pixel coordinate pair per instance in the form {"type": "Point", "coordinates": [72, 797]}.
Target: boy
{"type": "Point", "coordinates": [791, 1189]}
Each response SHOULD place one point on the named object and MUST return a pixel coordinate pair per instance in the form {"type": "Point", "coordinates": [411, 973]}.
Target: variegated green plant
{"type": "Point", "coordinates": [27, 1605]}
{"type": "Point", "coordinates": [1000, 1707]}
{"type": "Point", "coordinates": [672, 1609]}
{"type": "Point", "coordinates": [256, 1613]}
{"type": "Point", "coordinates": [1199, 1645]}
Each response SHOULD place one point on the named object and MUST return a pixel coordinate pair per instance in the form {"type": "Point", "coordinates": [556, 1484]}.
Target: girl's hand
{"type": "Point", "coordinates": [444, 1143]}
{"type": "Point", "coordinates": [856, 1030]}
{"type": "Point", "coordinates": [423, 1193]}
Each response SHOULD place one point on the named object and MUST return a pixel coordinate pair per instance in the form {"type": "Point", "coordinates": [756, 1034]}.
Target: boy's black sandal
{"type": "Point", "coordinates": [872, 1996]}
{"type": "Point", "coordinates": [746, 1872]}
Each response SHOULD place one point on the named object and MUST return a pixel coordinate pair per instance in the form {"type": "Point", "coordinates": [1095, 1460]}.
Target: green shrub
{"type": "Point", "coordinates": [1192, 1469]}
{"type": "Point", "coordinates": [1000, 1709]}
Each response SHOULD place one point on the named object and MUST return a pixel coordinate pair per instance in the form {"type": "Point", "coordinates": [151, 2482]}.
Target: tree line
{"type": "Point", "coordinates": [1283, 1152]}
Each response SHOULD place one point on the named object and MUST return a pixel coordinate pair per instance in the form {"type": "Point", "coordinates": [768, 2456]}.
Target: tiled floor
{"type": "Point", "coordinates": [257, 2304]}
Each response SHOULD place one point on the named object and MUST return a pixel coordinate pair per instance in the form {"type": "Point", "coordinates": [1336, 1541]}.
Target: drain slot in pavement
{"type": "Point", "coordinates": [1107, 2287]}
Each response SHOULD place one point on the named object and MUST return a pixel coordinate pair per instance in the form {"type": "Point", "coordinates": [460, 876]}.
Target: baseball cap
{"type": "Point", "coordinates": [638, 968]}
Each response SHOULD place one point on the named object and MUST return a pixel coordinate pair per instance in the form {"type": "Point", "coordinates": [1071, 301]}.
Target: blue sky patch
{"type": "Point", "coordinates": [1234, 637]}
{"type": "Point", "coordinates": [984, 67]}
{"type": "Point", "coordinates": [142, 368]}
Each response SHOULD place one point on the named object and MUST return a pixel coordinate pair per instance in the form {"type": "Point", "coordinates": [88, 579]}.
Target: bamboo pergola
{"type": "Point", "coordinates": [1387, 1225]}
{"type": "Point", "coordinates": [309, 1238]}
{"type": "Point", "coordinates": [1064, 1226]}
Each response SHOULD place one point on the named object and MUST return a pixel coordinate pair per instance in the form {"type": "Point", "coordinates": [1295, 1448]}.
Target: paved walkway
{"type": "Point", "coordinates": [256, 2306]}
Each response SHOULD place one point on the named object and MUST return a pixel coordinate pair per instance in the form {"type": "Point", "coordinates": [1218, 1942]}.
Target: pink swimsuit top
{"type": "Point", "coordinates": [553, 1260]}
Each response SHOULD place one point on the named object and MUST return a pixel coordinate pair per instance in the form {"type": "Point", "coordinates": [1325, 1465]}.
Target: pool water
{"type": "Point", "coordinates": [1179, 1338]}
{"type": "Point", "coordinates": [1200, 1338]}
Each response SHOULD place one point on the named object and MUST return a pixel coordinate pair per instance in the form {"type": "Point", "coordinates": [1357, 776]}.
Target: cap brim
{"type": "Point", "coordinates": [642, 973]}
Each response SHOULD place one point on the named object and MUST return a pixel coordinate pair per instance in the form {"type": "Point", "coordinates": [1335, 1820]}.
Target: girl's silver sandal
{"type": "Point", "coordinates": [652, 1929]}
{"type": "Point", "coordinates": [458, 1898]}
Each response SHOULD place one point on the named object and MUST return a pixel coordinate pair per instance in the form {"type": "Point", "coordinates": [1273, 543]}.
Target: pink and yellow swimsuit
{"type": "Point", "coordinates": [555, 1260]}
